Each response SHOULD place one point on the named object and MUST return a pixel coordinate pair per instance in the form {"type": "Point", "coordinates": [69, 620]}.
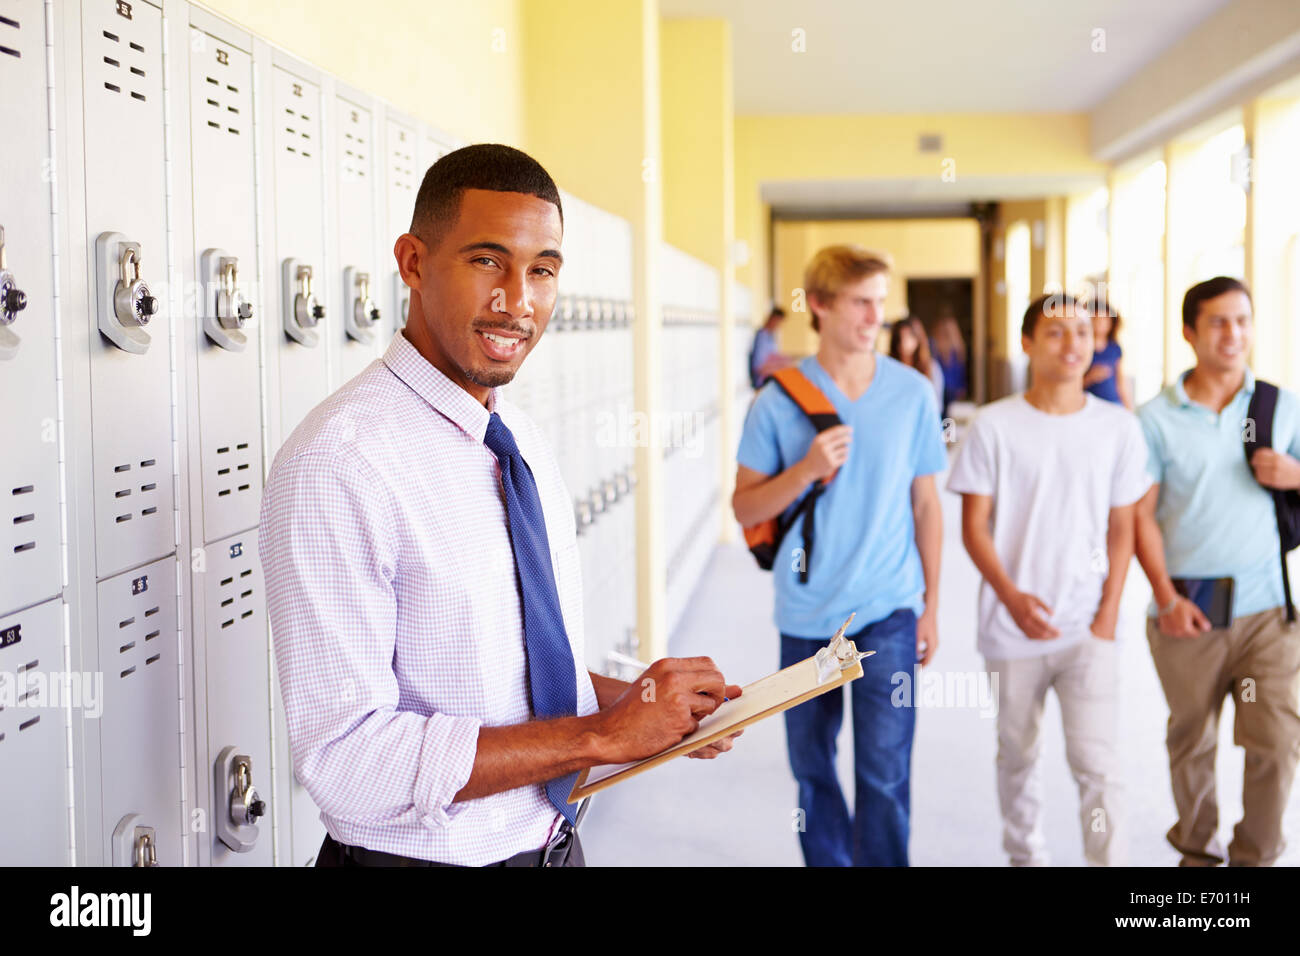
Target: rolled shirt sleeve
{"type": "Point", "coordinates": [328, 547]}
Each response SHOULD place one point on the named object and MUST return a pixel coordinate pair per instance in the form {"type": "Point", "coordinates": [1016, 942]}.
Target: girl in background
{"type": "Point", "coordinates": [950, 349]}
{"type": "Point", "coordinates": [907, 343]}
{"type": "Point", "coordinates": [1105, 378]}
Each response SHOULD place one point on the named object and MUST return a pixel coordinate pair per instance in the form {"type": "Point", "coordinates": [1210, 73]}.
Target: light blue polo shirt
{"type": "Point", "coordinates": [864, 557]}
{"type": "Point", "coordinates": [1216, 520]}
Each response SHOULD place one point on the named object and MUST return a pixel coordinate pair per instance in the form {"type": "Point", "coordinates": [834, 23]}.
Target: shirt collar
{"type": "Point", "coordinates": [445, 396]}
{"type": "Point", "coordinates": [1179, 389]}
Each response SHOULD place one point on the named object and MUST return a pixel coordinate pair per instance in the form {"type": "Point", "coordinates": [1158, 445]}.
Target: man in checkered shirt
{"type": "Point", "coordinates": [395, 601]}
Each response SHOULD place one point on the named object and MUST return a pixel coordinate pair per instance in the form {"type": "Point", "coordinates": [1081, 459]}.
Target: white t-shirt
{"type": "Point", "coordinates": [1053, 480]}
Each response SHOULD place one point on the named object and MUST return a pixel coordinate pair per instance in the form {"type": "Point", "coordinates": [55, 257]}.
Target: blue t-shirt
{"type": "Point", "coordinates": [864, 558]}
{"type": "Point", "coordinates": [1108, 387]}
{"type": "Point", "coordinates": [1215, 518]}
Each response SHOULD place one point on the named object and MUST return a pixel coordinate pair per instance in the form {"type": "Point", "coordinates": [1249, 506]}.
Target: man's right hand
{"type": "Point", "coordinates": [1185, 619]}
{"type": "Point", "coordinates": [828, 452]}
{"type": "Point", "coordinates": [1031, 616]}
{"type": "Point", "coordinates": [664, 704]}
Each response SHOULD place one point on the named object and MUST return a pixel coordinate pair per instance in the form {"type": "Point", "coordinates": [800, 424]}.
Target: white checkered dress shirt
{"type": "Point", "coordinates": [396, 616]}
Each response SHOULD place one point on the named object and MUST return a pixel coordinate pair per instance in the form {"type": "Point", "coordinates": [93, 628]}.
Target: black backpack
{"type": "Point", "coordinates": [1286, 504]}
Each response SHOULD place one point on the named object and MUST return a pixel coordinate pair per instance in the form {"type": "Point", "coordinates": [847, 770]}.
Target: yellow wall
{"type": "Point", "coordinates": [584, 99]}
{"type": "Point", "coordinates": [698, 145]}
{"type": "Point", "coordinates": [698, 113]}
{"type": "Point", "coordinates": [457, 66]}
{"type": "Point", "coordinates": [919, 248]}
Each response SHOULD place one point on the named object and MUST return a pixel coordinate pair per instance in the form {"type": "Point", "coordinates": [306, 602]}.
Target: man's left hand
{"type": "Point", "coordinates": [927, 635]}
{"type": "Point", "coordinates": [717, 747]}
{"type": "Point", "coordinates": [1275, 469]}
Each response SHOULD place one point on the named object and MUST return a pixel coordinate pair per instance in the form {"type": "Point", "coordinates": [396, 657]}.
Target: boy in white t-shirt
{"type": "Point", "coordinates": [1049, 480]}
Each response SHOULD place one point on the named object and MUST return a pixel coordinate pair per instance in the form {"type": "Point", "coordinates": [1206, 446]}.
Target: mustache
{"type": "Point", "coordinates": [522, 330]}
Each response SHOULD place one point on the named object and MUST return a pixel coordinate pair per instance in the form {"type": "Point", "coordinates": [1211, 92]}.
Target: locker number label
{"type": "Point", "coordinates": [124, 9]}
{"type": "Point", "coordinates": [11, 635]}
{"type": "Point", "coordinates": [140, 584]}
{"type": "Point", "coordinates": [236, 549]}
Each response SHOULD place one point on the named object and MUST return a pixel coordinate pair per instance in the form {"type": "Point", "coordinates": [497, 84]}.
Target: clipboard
{"type": "Point", "coordinates": [834, 665]}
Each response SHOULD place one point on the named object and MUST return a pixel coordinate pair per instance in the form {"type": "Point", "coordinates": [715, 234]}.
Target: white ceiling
{"type": "Point", "coordinates": [1005, 56]}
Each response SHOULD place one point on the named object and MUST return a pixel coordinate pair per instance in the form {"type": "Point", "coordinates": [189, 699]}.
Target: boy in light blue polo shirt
{"type": "Point", "coordinates": [877, 539]}
{"type": "Point", "coordinates": [1210, 515]}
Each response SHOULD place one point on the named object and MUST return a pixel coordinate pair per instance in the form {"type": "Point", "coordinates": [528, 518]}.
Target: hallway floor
{"type": "Point", "coordinates": [738, 809]}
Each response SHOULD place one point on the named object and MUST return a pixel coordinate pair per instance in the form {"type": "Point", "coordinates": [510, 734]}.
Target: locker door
{"type": "Point", "coordinates": [360, 332]}
{"type": "Point", "coordinates": [300, 246]}
{"type": "Point", "coordinates": [33, 761]}
{"type": "Point", "coordinates": [402, 177]}
{"type": "Point", "coordinates": [238, 693]}
{"type": "Point", "coordinates": [29, 462]}
{"type": "Point", "coordinates": [225, 251]}
{"type": "Point", "coordinates": [130, 374]}
{"type": "Point", "coordinates": [140, 727]}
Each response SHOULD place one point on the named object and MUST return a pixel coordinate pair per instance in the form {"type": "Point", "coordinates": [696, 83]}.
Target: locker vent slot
{"type": "Point", "coordinates": [5, 49]}
{"type": "Point", "coordinates": [24, 490]}
{"type": "Point", "coordinates": [9, 23]}
{"type": "Point", "coordinates": [150, 660]}
{"type": "Point", "coordinates": [111, 62]}
{"type": "Point", "coordinates": [23, 519]}
{"type": "Point", "coordinates": [110, 86]}
{"type": "Point", "coordinates": [151, 635]}
{"type": "Point", "coordinates": [25, 546]}
{"type": "Point", "coordinates": [29, 723]}
{"type": "Point", "coordinates": [151, 612]}
{"type": "Point", "coordinates": [128, 672]}
{"type": "Point", "coordinates": [121, 468]}
{"type": "Point", "coordinates": [126, 647]}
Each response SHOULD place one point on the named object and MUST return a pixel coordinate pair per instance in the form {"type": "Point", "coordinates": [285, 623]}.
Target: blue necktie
{"type": "Point", "coordinates": [552, 679]}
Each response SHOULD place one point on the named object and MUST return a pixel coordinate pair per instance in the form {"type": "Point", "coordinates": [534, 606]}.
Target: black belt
{"type": "Point", "coordinates": [555, 853]}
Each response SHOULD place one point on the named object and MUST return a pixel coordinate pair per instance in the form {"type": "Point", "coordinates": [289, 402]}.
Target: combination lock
{"type": "Point", "coordinates": [303, 311]}
{"type": "Point", "coordinates": [226, 310]}
{"type": "Point", "coordinates": [126, 303]}
{"type": "Point", "coordinates": [12, 301]}
{"type": "Point", "coordinates": [365, 313]}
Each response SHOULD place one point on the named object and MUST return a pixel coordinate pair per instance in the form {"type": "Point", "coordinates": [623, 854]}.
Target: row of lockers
{"type": "Point", "coordinates": [197, 237]}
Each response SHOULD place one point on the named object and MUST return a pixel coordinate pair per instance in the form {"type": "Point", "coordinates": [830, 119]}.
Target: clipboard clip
{"type": "Point", "coordinates": [840, 654]}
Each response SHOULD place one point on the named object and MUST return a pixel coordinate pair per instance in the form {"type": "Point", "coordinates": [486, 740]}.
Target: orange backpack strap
{"type": "Point", "coordinates": [808, 397]}
{"type": "Point", "coordinates": [811, 400]}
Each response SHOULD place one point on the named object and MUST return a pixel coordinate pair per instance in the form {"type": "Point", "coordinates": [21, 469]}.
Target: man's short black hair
{"type": "Point", "coordinates": [1210, 289]}
{"type": "Point", "coordinates": [1053, 304]}
{"type": "Point", "coordinates": [776, 313]}
{"type": "Point", "coordinates": [481, 166]}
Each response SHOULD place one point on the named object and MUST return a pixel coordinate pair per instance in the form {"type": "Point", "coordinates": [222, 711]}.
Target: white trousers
{"type": "Point", "coordinates": [1085, 677]}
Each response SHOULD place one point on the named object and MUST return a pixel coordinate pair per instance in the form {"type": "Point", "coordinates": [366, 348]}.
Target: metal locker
{"type": "Point", "coordinates": [225, 260]}
{"type": "Point", "coordinates": [360, 333]}
{"type": "Point", "coordinates": [30, 564]}
{"type": "Point", "coordinates": [33, 761]}
{"type": "Point", "coordinates": [140, 755]}
{"type": "Point", "coordinates": [237, 676]}
{"type": "Point", "coordinates": [303, 303]}
{"type": "Point", "coordinates": [402, 177]}
{"type": "Point", "coordinates": [130, 369]}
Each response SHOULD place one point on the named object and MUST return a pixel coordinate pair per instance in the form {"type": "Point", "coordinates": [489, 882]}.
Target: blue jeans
{"type": "Point", "coordinates": [882, 752]}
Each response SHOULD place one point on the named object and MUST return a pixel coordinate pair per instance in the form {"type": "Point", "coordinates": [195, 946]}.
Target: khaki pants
{"type": "Point", "coordinates": [1085, 678]}
{"type": "Point", "coordinates": [1256, 658]}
